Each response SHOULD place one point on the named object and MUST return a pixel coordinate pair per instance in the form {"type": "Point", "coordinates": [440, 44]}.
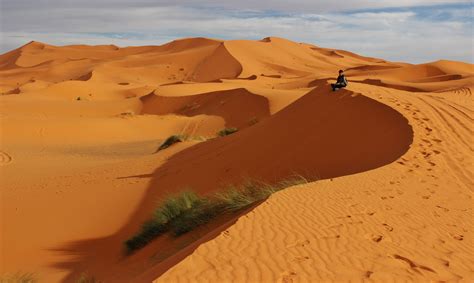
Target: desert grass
{"type": "Point", "coordinates": [170, 141]}
{"type": "Point", "coordinates": [19, 277]}
{"type": "Point", "coordinates": [163, 216]}
{"type": "Point", "coordinates": [187, 211]}
{"type": "Point", "coordinates": [180, 138]}
{"type": "Point", "coordinates": [227, 131]}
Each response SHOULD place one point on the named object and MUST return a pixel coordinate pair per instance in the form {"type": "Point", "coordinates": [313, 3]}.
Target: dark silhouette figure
{"type": "Point", "coordinates": [341, 81]}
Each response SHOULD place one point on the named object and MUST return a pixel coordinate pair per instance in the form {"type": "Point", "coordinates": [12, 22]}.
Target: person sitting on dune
{"type": "Point", "coordinates": [341, 81]}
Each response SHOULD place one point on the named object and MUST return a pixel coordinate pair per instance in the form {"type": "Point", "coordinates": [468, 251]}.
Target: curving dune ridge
{"type": "Point", "coordinates": [389, 160]}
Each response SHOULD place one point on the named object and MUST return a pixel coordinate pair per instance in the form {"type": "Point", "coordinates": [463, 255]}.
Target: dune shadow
{"type": "Point", "coordinates": [237, 106]}
{"type": "Point", "coordinates": [325, 134]}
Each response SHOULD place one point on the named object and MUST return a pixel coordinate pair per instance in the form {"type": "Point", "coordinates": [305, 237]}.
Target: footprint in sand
{"type": "Point", "coordinates": [458, 237]}
{"type": "Point", "coordinates": [368, 274]}
{"type": "Point", "coordinates": [377, 238]}
{"type": "Point", "coordinates": [299, 244]}
{"type": "Point", "coordinates": [445, 262]}
{"type": "Point", "coordinates": [332, 237]}
{"type": "Point", "coordinates": [374, 237]}
{"type": "Point", "coordinates": [425, 154]}
{"type": "Point", "coordinates": [443, 208]}
{"type": "Point", "coordinates": [386, 197]}
{"type": "Point", "coordinates": [287, 277]}
{"type": "Point", "coordinates": [426, 141]}
{"type": "Point", "coordinates": [388, 227]}
{"type": "Point", "coordinates": [5, 159]}
{"type": "Point", "coordinates": [414, 266]}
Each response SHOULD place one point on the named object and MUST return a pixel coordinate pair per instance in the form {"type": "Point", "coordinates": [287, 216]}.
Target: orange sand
{"type": "Point", "coordinates": [390, 157]}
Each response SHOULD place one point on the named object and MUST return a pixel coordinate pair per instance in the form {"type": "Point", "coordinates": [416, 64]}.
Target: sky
{"type": "Point", "coordinates": [415, 31]}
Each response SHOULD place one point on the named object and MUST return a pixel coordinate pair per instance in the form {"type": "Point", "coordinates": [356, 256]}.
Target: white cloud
{"type": "Point", "coordinates": [400, 35]}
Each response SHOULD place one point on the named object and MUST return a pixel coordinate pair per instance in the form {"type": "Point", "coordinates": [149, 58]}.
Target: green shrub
{"type": "Point", "coordinates": [163, 215]}
{"type": "Point", "coordinates": [227, 131]}
{"type": "Point", "coordinates": [174, 206]}
{"type": "Point", "coordinates": [235, 198]}
{"type": "Point", "coordinates": [195, 217]}
{"type": "Point", "coordinates": [170, 141]}
{"type": "Point", "coordinates": [294, 180]}
{"type": "Point", "coordinates": [187, 211]}
{"type": "Point", "coordinates": [180, 138]}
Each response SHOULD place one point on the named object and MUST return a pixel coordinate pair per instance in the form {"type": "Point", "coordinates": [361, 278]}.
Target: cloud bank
{"type": "Point", "coordinates": [408, 30]}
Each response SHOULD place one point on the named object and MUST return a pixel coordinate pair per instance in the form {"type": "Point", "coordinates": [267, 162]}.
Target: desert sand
{"type": "Point", "coordinates": [389, 160]}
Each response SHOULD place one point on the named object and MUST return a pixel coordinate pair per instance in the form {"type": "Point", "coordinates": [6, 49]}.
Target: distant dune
{"type": "Point", "coordinates": [389, 161]}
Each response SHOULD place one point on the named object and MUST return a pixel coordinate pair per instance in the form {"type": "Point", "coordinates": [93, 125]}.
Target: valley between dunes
{"type": "Point", "coordinates": [389, 162]}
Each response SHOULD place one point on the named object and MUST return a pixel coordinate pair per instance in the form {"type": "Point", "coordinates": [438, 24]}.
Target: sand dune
{"type": "Point", "coordinates": [389, 160]}
{"type": "Point", "coordinates": [409, 220]}
{"type": "Point", "coordinates": [227, 104]}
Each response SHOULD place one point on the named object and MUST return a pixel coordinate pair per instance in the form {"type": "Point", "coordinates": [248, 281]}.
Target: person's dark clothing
{"type": "Point", "coordinates": [340, 83]}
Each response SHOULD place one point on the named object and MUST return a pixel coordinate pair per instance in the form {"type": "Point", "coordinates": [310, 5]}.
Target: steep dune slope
{"type": "Point", "coordinates": [219, 65]}
{"type": "Point", "coordinates": [182, 59]}
{"type": "Point", "coordinates": [270, 150]}
{"type": "Point", "coordinates": [79, 164]}
{"type": "Point", "coordinates": [227, 104]}
{"type": "Point", "coordinates": [308, 137]}
{"type": "Point", "coordinates": [409, 221]}
{"type": "Point", "coordinates": [280, 57]}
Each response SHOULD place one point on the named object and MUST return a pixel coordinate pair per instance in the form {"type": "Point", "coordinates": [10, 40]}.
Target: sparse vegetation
{"type": "Point", "coordinates": [128, 113]}
{"type": "Point", "coordinates": [170, 141]}
{"type": "Point", "coordinates": [227, 131]}
{"type": "Point", "coordinates": [163, 216]}
{"type": "Point", "coordinates": [179, 138]}
{"type": "Point", "coordinates": [187, 211]}
{"type": "Point", "coordinates": [19, 277]}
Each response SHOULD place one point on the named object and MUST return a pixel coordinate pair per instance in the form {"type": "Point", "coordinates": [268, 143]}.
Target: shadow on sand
{"type": "Point", "coordinates": [323, 133]}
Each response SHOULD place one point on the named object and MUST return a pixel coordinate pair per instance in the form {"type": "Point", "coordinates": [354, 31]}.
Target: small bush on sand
{"type": "Point", "coordinates": [180, 138]}
{"type": "Point", "coordinates": [195, 217]}
{"type": "Point", "coordinates": [227, 131]}
{"type": "Point", "coordinates": [187, 211]}
{"type": "Point", "coordinates": [174, 206]}
{"type": "Point", "coordinates": [19, 277]}
{"type": "Point", "coordinates": [171, 208]}
{"type": "Point", "coordinates": [170, 141]}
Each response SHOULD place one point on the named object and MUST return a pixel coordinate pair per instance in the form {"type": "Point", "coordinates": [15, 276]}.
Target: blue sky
{"type": "Point", "coordinates": [405, 30]}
